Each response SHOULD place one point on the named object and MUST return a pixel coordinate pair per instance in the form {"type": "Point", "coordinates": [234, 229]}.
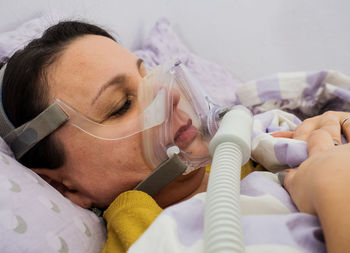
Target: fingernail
{"type": "Point", "coordinates": [336, 143]}
{"type": "Point", "coordinates": [281, 175]}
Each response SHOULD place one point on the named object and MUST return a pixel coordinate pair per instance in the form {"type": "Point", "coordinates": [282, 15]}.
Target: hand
{"type": "Point", "coordinates": [315, 173]}
{"type": "Point", "coordinates": [330, 121]}
{"type": "Point", "coordinates": [321, 186]}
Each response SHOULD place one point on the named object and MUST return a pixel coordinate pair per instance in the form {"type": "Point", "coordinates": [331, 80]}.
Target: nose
{"type": "Point", "coordinates": [176, 97]}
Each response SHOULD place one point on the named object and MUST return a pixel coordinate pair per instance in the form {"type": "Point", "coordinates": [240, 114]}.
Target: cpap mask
{"type": "Point", "coordinates": [171, 110]}
{"type": "Point", "coordinates": [175, 116]}
{"type": "Point", "coordinates": [188, 123]}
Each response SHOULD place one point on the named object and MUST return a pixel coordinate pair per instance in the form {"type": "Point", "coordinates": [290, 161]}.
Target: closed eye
{"type": "Point", "coordinates": [122, 110]}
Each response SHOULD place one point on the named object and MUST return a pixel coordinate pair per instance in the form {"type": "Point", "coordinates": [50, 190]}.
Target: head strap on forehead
{"type": "Point", "coordinates": [23, 138]}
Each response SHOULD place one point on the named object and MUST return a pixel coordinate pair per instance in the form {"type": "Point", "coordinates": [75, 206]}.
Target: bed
{"type": "Point", "coordinates": [225, 44]}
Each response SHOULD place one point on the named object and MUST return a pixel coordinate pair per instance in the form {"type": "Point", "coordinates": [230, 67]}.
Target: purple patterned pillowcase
{"type": "Point", "coordinates": [13, 40]}
{"type": "Point", "coordinates": [38, 218]}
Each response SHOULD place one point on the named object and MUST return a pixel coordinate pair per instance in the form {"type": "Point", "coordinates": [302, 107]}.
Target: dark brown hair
{"type": "Point", "coordinates": [25, 87]}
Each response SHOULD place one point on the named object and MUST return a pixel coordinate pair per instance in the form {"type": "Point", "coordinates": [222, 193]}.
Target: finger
{"type": "Point", "coordinates": [283, 134]}
{"type": "Point", "coordinates": [345, 126]}
{"type": "Point", "coordinates": [319, 141]}
{"type": "Point", "coordinates": [329, 121]}
{"type": "Point", "coordinates": [305, 128]}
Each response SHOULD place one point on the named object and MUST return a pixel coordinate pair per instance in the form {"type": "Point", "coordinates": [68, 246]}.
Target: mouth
{"type": "Point", "coordinates": [185, 135]}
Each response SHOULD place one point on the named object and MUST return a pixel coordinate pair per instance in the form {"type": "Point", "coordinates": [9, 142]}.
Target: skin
{"type": "Point", "coordinates": [97, 171]}
{"type": "Point", "coordinates": [330, 121]}
{"type": "Point", "coordinates": [320, 185]}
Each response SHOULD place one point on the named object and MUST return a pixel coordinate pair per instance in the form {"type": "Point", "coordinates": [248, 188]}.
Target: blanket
{"type": "Point", "coordinates": [280, 102]}
{"type": "Point", "coordinates": [270, 220]}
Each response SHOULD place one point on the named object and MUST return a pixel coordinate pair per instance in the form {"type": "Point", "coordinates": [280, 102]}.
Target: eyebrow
{"type": "Point", "coordinates": [117, 80]}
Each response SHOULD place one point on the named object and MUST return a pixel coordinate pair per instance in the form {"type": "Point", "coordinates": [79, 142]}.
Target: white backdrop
{"type": "Point", "coordinates": [251, 38]}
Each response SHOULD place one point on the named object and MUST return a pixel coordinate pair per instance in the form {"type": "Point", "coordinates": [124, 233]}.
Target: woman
{"type": "Point", "coordinates": [75, 63]}
{"type": "Point", "coordinates": [72, 62]}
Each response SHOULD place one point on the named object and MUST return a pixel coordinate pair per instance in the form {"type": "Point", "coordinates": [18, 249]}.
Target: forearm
{"type": "Point", "coordinates": [321, 184]}
{"type": "Point", "coordinates": [333, 209]}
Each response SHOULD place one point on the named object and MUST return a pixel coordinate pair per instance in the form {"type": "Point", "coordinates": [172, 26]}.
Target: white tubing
{"type": "Point", "coordinates": [230, 148]}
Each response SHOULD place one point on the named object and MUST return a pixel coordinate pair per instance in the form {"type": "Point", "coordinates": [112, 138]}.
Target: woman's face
{"type": "Point", "coordinates": [96, 76]}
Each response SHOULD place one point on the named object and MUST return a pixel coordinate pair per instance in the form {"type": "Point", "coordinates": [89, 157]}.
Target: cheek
{"type": "Point", "coordinates": [104, 169]}
{"type": "Point", "coordinates": [123, 165]}
{"type": "Point", "coordinates": [84, 148]}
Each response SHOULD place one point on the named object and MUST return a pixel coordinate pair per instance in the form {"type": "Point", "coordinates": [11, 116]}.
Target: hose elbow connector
{"type": "Point", "coordinates": [236, 127]}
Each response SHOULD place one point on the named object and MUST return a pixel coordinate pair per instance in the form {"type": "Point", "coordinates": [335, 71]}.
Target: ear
{"type": "Point", "coordinates": [54, 178]}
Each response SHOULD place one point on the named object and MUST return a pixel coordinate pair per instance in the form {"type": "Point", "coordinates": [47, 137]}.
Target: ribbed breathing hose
{"type": "Point", "coordinates": [230, 148]}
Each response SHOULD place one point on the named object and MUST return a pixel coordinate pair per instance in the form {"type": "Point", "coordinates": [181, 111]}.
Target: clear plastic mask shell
{"type": "Point", "coordinates": [190, 118]}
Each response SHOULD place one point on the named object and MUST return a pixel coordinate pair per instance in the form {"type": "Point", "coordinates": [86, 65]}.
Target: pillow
{"type": "Point", "coordinates": [16, 39]}
{"type": "Point", "coordinates": [34, 217]}
{"type": "Point", "coordinates": [163, 44]}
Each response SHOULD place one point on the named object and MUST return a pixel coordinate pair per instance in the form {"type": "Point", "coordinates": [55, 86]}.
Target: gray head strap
{"type": "Point", "coordinates": [5, 124]}
{"type": "Point", "coordinates": [166, 172]}
{"type": "Point", "coordinates": [27, 135]}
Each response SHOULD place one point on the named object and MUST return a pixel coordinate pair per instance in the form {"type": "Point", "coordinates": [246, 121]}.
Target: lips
{"type": "Point", "coordinates": [185, 135]}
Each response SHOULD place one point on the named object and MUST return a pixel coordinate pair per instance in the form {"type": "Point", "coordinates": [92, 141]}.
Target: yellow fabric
{"type": "Point", "coordinates": [132, 212]}
{"type": "Point", "coordinates": [129, 215]}
{"type": "Point", "coordinates": [247, 168]}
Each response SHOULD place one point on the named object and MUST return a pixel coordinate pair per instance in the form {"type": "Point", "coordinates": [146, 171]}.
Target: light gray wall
{"type": "Point", "coordinates": [250, 37]}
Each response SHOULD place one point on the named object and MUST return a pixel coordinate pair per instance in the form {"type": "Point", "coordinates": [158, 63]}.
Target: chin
{"type": "Point", "coordinates": [182, 188]}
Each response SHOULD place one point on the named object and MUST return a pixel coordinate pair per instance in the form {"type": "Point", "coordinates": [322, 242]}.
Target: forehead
{"type": "Point", "coordinates": [85, 65]}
